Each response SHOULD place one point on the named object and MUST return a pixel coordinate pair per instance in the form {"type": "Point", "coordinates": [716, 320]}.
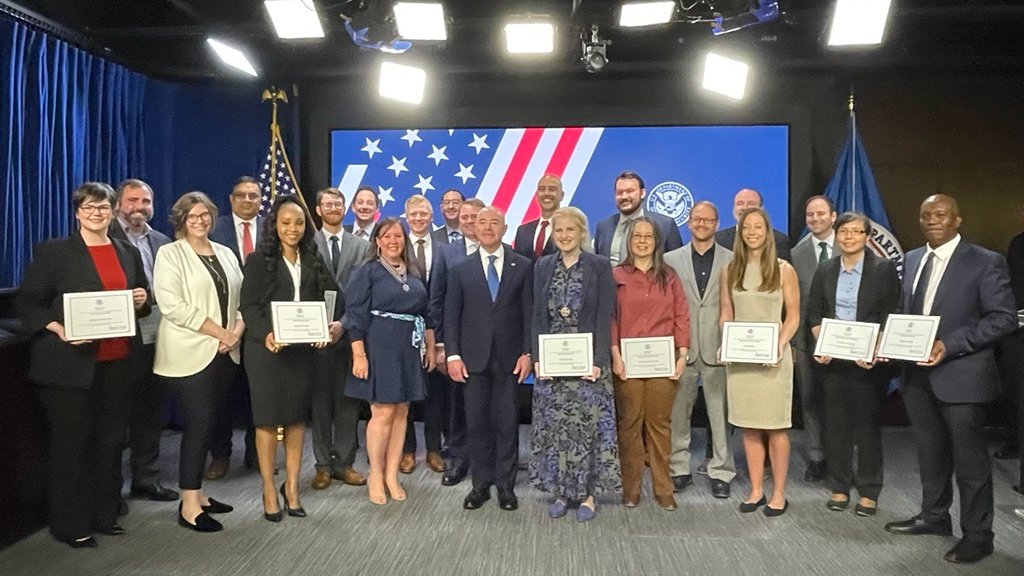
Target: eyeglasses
{"type": "Point", "coordinates": [647, 237]}
{"type": "Point", "coordinates": [94, 208]}
{"type": "Point", "coordinates": [332, 205]}
{"type": "Point", "coordinates": [193, 218]}
{"type": "Point", "coordinates": [848, 232]}
{"type": "Point", "coordinates": [252, 196]}
{"type": "Point", "coordinates": [697, 220]}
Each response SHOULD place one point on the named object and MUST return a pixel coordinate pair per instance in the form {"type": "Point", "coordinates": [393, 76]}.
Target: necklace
{"type": "Point", "coordinates": [398, 273]}
{"type": "Point", "coordinates": [208, 261]}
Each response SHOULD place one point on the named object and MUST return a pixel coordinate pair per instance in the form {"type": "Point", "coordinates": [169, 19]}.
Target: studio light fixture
{"type": "Point", "coordinates": [858, 22]}
{"type": "Point", "coordinates": [725, 76]}
{"type": "Point", "coordinates": [232, 56]}
{"type": "Point", "coordinates": [595, 50]}
{"type": "Point", "coordinates": [526, 37]}
{"type": "Point", "coordinates": [294, 19]}
{"type": "Point", "coordinates": [420, 21]}
{"type": "Point", "coordinates": [646, 13]}
{"type": "Point", "coordinates": [402, 83]}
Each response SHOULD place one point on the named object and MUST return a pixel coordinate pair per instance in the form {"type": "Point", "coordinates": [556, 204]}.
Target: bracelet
{"type": "Point", "coordinates": [363, 355]}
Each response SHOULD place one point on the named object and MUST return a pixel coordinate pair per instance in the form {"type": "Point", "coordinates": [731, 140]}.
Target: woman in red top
{"type": "Point", "coordinates": [649, 303]}
{"type": "Point", "coordinates": [84, 385]}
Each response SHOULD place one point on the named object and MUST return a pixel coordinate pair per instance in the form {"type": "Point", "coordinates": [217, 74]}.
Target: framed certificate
{"type": "Point", "coordinates": [649, 357]}
{"type": "Point", "coordinates": [299, 322]}
{"type": "Point", "coordinates": [847, 340]}
{"type": "Point", "coordinates": [750, 342]}
{"type": "Point", "coordinates": [99, 315]}
{"type": "Point", "coordinates": [566, 355]}
{"type": "Point", "coordinates": [908, 337]}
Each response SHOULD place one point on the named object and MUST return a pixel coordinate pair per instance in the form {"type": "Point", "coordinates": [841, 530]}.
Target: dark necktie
{"type": "Point", "coordinates": [917, 303]}
{"type": "Point", "coordinates": [538, 246]}
{"type": "Point", "coordinates": [823, 255]}
{"type": "Point", "coordinates": [454, 236]}
{"type": "Point", "coordinates": [421, 257]}
{"type": "Point", "coordinates": [492, 277]}
{"type": "Point", "coordinates": [335, 253]}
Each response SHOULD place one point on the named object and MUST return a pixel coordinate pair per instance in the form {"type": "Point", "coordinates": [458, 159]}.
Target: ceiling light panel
{"type": "Point", "coordinates": [402, 83]}
{"type": "Point", "coordinates": [421, 21]}
{"type": "Point", "coordinates": [858, 22]}
{"type": "Point", "coordinates": [646, 13]}
{"type": "Point", "coordinates": [725, 76]}
{"type": "Point", "coordinates": [530, 37]}
{"type": "Point", "coordinates": [232, 56]}
{"type": "Point", "coordinates": [294, 19]}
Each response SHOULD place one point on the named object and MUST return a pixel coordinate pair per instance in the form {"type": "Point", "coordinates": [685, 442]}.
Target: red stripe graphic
{"type": "Point", "coordinates": [559, 160]}
{"type": "Point", "coordinates": [516, 168]}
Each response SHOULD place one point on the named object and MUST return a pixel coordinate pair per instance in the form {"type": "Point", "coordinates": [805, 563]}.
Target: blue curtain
{"type": "Point", "coordinates": [67, 117]}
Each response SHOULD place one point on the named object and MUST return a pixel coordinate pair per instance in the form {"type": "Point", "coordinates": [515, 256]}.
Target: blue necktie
{"type": "Point", "coordinates": [492, 277]}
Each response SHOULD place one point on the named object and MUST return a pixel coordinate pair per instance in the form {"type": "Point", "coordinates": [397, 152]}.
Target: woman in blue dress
{"type": "Point", "coordinates": [574, 444]}
{"type": "Point", "coordinates": [387, 321]}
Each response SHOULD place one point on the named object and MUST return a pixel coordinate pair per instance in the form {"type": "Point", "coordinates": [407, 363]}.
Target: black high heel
{"type": "Point", "coordinates": [299, 512]}
{"type": "Point", "coordinates": [272, 517]}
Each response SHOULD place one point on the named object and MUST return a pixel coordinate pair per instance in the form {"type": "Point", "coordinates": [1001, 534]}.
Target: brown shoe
{"type": "Point", "coordinates": [321, 480]}
{"type": "Point", "coordinates": [218, 468]}
{"type": "Point", "coordinates": [350, 477]}
{"type": "Point", "coordinates": [435, 462]}
{"type": "Point", "coordinates": [408, 463]}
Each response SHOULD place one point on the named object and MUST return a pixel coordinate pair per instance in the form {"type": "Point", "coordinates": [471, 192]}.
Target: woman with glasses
{"type": "Point", "coordinates": [856, 286]}
{"type": "Point", "coordinates": [84, 385]}
{"type": "Point", "coordinates": [197, 284]}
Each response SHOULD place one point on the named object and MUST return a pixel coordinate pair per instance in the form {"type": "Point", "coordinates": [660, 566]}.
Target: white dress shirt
{"type": "Point", "coordinates": [428, 249]}
{"type": "Point", "coordinates": [498, 263]}
{"type": "Point", "coordinates": [942, 255]}
{"type": "Point", "coordinates": [240, 232]}
{"type": "Point", "coordinates": [368, 230]}
{"type": "Point", "coordinates": [547, 232]}
{"type": "Point", "coordinates": [830, 244]}
{"type": "Point", "coordinates": [296, 273]}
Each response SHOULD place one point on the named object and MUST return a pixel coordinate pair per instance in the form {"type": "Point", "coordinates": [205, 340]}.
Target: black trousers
{"type": "Point", "coordinates": [950, 440]}
{"type": "Point", "coordinates": [458, 449]}
{"type": "Point", "coordinates": [86, 432]}
{"type": "Point", "coordinates": [238, 409]}
{"type": "Point", "coordinates": [492, 426]}
{"type": "Point", "coordinates": [1011, 366]}
{"type": "Point", "coordinates": [202, 397]}
{"type": "Point", "coordinates": [335, 416]}
{"type": "Point", "coordinates": [436, 408]}
{"type": "Point", "coordinates": [853, 408]}
{"type": "Point", "coordinates": [146, 422]}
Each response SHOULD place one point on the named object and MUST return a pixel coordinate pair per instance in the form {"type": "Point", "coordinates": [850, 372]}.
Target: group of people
{"type": "Point", "coordinates": [452, 319]}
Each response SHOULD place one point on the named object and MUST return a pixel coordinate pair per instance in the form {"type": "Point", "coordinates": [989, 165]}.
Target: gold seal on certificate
{"type": "Point", "coordinates": [649, 357]}
{"type": "Point", "coordinates": [99, 315]}
{"type": "Point", "coordinates": [565, 355]}
{"type": "Point", "coordinates": [300, 322]}
{"type": "Point", "coordinates": [908, 337]}
{"type": "Point", "coordinates": [750, 342]}
{"type": "Point", "coordinates": [847, 340]}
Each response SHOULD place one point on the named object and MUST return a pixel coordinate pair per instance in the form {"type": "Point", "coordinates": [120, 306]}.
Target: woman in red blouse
{"type": "Point", "coordinates": [84, 385]}
{"type": "Point", "coordinates": [649, 303]}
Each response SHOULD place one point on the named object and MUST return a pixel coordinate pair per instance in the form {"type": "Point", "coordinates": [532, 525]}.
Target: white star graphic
{"type": "Point", "coordinates": [438, 154]}
{"type": "Point", "coordinates": [424, 184]}
{"type": "Point", "coordinates": [465, 172]}
{"type": "Point", "coordinates": [479, 143]}
{"type": "Point", "coordinates": [384, 195]}
{"type": "Point", "coordinates": [398, 166]}
{"type": "Point", "coordinates": [372, 147]}
{"type": "Point", "coordinates": [451, 131]}
{"type": "Point", "coordinates": [412, 136]}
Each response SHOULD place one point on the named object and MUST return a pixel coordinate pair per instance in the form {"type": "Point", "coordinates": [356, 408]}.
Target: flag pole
{"type": "Point", "coordinates": [853, 153]}
{"type": "Point", "coordinates": [275, 96]}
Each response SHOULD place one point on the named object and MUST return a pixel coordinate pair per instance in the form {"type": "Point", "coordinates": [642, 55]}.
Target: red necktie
{"type": "Point", "coordinates": [246, 241]}
{"type": "Point", "coordinates": [538, 247]}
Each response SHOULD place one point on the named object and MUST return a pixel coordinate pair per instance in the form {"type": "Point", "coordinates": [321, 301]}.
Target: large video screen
{"type": "Point", "coordinates": [680, 165]}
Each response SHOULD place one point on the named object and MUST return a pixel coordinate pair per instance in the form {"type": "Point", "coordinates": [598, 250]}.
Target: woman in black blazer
{"type": "Point", "coordinates": [856, 286]}
{"type": "Point", "coordinates": [285, 267]}
{"type": "Point", "coordinates": [84, 385]}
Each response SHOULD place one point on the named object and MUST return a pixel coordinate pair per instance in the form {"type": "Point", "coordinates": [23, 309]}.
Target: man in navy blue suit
{"type": "Point", "coordinates": [487, 309]}
{"type": "Point", "coordinates": [533, 238]}
{"type": "Point", "coordinates": [609, 239]}
{"type": "Point", "coordinates": [450, 205]}
{"type": "Point", "coordinates": [968, 287]}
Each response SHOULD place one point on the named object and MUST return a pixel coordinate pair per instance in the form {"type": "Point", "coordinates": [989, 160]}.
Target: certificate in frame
{"type": "Point", "coordinates": [99, 315]}
{"type": "Point", "coordinates": [750, 342]}
{"type": "Point", "coordinates": [847, 340]}
{"type": "Point", "coordinates": [908, 337]}
{"type": "Point", "coordinates": [653, 357]}
{"type": "Point", "coordinates": [300, 322]}
{"type": "Point", "coordinates": [565, 355]}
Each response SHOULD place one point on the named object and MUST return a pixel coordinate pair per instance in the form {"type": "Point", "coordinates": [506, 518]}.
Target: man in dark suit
{"type": "Point", "coordinates": [448, 257]}
{"type": "Point", "coordinates": [365, 207]}
{"type": "Point", "coordinates": [240, 231]}
{"type": "Point", "coordinates": [1011, 362]}
{"type": "Point", "coordinates": [146, 421]}
{"type": "Point", "coordinates": [451, 202]}
{"type": "Point", "coordinates": [335, 416]}
{"type": "Point", "coordinates": [488, 306]}
{"type": "Point", "coordinates": [609, 239]}
{"type": "Point", "coordinates": [750, 198]}
{"type": "Point", "coordinates": [968, 287]}
{"type": "Point", "coordinates": [533, 239]}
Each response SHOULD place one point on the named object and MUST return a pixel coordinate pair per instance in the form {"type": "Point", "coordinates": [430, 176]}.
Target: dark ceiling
{"type": "Point", "coordinates": [165, 38]}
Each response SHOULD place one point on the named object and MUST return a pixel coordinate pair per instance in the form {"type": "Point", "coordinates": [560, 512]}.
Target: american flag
{"type": "Point", "coordinates": [276, 175]}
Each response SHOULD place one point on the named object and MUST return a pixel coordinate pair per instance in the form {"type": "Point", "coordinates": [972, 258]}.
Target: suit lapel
{"type": "Point", "coordinates": [686, 255]}
{"type": "Point", "coordinates": [88, 268]}
{"type": "Point", "coordinates": [716, 270]}
{"type": "Point", "coordinates": [947, 279]}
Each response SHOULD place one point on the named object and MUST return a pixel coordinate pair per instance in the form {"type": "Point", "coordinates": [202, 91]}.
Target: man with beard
{"type": "Point", "coordinates": [609, 239]}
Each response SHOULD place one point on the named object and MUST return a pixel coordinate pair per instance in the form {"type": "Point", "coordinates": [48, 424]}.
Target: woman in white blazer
{"type": "Point", "coordinates": [197, 284]}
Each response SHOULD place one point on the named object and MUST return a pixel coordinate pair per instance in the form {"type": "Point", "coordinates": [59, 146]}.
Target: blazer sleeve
{"type": "Point", "coordinates": [681, 311]}
{"type": "Point", "coordinates": [605, 303]}
{"type": "Point", "coordinates": [36, 303]}
{"type": "Point", "coordinates": [438, 286]}
{"type": "Point", "coordinates": [171, 292]}
{"type": "Point", "coordinates": [138, 275]}
{"type": "Point", "coordinates": [527, 304]}
{"type": "Point", "coordinates": [540, 324]}
{"type": "Point", "coordinates": [357, 304]}
{"type": "Point", "coordinates": [817, 301]}
{"type": "Point", "coordinates": [453, 314]}
{"type": "Point", "coordinates": [998, 317]}
{"type": "Point", "coordinates": [782, 247]}
{"type": "Point", "coordinates": [255, 285]}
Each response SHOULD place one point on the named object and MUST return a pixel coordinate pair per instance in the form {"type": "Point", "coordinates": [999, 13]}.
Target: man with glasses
{"type": "Point", "coordinates": [451, 202]}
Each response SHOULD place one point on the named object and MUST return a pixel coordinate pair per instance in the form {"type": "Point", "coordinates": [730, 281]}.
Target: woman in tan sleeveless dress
{"type": "Point", "coordinates": [760, 397]}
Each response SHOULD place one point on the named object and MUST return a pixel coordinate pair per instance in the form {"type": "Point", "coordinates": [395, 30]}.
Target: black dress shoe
{"type": "Point", "coordinates": [89, 542]}
{"type": "Point", "coordinates": [114, 530]}
{"type": "Point", "coordinates": [865, 511]}
{"type": "Point", "coordinates": [720, 489]}
{"type": "Point", "coordinates": [773, 512]}
{"type": "Point", "coordinates": [122, 508]}
{"type": "Point", "coordinates": [476, 498]}
{"type": "Point", "coordinates": [679, 483]}
{"type": "Point", "coordinates": [815, 471]}
{"type": "Point", "coordinates": [967, 552]}
{"type": "Point", "coordinates": [299, 512]}
{"type": "Point", "coordinates": [838, 505]}
{"type": "Point", "coordinates": [507, 500]}
{"type": "Point", "coordinates": [216, 507]}
{"type": "Point", "coordinates": [203, 523]}
{"type": "Point", "coordinates": [917, 525]}
{"type": "Point", "coordinates": [454, 474]}
{"type": "Point", "coordinates": [748, 507]}
{"type": "Point", "coordinates": [154, 492]}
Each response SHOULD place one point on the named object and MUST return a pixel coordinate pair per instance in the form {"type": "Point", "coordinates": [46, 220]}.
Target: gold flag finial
{"type": "Point", "coordinates": [851, 100]}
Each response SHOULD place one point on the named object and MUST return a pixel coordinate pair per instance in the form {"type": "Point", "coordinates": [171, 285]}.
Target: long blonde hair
{"type": "Point", "coordinates": [771, 273]}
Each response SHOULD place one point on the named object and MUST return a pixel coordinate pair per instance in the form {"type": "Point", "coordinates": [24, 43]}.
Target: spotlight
{"type": "Point", "coordinates": [595, 50]}
{"type": "Point", "coordinates": [725, 76]}
{"type": "Point", "coordinates": [858, 22]}
{"type": "Point", "coordinates": [232, 56]}
{"type": "Point", "coordinates": [646, 13]}
{"type": "Point", "coordinates": [420, 21]}
{"type": "Point", "coordinates": [402, 83]}
{"type": "Point", "coordinates": [294, 18]}
{"type": "Point", "coordinates": [530, 37]}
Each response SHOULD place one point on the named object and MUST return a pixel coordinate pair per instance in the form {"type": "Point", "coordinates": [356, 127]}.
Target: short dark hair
{"type": "Point", "coordinates": [182, 206]}
{"type": "Point", "coordinates": [457, 191]}
{"type": "Point", "coordinates": [369, 189]}
{"type": "Point", "coordinates": [847, 217]}
{"type": "Point", "coordinates": [132, 183]}
{"type": "Point", "coordinates": [630, 175]}
{"type": "Point", "coordinates": [92, 191]}
{"type": "Point", "coordinates": [826, 199]}
{"type": "Point", "coordinates": [329, 192]}
{"type": "Point", "coordinates": [244, 180]}
{"type": "Point", "coordinates": [475, 202]}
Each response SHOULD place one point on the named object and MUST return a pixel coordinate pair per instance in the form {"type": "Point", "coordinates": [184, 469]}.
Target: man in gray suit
{"type": "Point", "coordinates": [335, 416]}
{"type": "Point", "coordinates": [699, 265]}
{"type": "Point", "coordinates": [815, 248]}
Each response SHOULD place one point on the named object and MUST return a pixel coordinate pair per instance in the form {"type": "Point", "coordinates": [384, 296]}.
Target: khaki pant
{"type": "Point", "coordinates": [644, 410]}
